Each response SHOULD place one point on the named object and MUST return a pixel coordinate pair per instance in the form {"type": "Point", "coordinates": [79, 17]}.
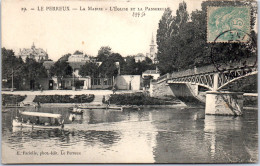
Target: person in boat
{"type": "Point", "coordinates": [37, 120]}
{"type": "Point", "coordinates": [16, 119]}
{"type": "Point", "coordinates": [56, 122]}
{"type": "Point", "coordinates": [48, 123]}
{"type": "Point", "coordinates": [28, 121]}
{"type": "Point", "coordinates": [104, 99]}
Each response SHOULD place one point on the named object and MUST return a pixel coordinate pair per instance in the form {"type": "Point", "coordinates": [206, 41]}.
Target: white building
{"type": "Point", "coordinates": [78, 57]}
{"type": "Point", "coordinates": [35, 53]}
{"type": "Point", "coordinates": [153, 73]}
{"type": "Point", "coordinates": [139, 57]}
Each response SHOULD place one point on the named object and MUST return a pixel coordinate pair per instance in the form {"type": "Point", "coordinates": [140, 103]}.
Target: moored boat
{"type": "Point", "coordinates": [42, 120]}
{"type": "Point", "coordinates": [76, 110]}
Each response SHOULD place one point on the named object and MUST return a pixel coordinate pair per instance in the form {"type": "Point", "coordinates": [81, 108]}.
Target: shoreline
{"type": "Point", "coordinates": [143, 106]}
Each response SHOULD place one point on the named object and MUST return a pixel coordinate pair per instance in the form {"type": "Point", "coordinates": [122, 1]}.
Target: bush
{"type": "Point", "coordinates": [64, 98]}
{"type": "Point", "coordinates": [250, 101]}
{"type": "Point", "coordinates": [138, 99]}
{"type": "Point", "coordinates": [12, 99]}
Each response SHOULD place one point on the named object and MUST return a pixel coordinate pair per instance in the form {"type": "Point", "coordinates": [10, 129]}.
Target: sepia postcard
{"type": "Point", "coordinates": [129, 81]}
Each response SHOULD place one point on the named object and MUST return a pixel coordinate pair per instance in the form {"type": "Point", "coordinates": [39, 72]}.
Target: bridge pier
{"type": "Point", "coordinates": [224, 103]}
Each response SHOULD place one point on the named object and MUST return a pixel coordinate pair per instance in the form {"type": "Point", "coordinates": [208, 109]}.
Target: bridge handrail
{"type": "Point", "coordinates": [163, 77]}
{"type": "Point", "coordinates": [178, 75]}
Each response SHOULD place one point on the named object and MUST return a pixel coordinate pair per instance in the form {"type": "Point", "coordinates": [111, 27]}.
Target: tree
{"type": "Point", "coordinates": [130, 66]}
{"type": "Point", "coordinates": [164, 33]}
{"type": "Point", "coordinates": [108, 68]}
{"type": "Point", "coordinates": [22, 72]}
{"type": "Point", "coordinates": [34, 71]}
{"type": "Point", "coordinates": [183, 45]}
{"type": "Point", "coordinates": [103, 53]}
{"type": "Point", "coordinates": [116, 57]}
{"type": "Point", "coordinates": [61, 69]}
{"type": "Point", "coordinates": [148, 60]}
{"type": "Point", "coordinates": [65, 57]}
{"type": "Point", "coordinates": [133, 68]}
{"type": "Point", "coordinates": [89, 69]}
{"type": "Point", "coordinates": [12, 66]}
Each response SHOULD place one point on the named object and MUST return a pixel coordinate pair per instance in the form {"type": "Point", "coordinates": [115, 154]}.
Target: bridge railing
{"type": "Point", "coordinates": [194, 71]}
{"type": "Point", "coordinates": [164, 77]}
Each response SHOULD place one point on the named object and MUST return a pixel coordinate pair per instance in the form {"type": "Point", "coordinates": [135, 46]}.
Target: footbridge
{"type": "Point", "coordinates": [223, 96]}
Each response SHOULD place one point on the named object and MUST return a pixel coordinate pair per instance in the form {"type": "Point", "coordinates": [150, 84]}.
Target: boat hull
{"type": "Point", "coordinates": [20, 124]}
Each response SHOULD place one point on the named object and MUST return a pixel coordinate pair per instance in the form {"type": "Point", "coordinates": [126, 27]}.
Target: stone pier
{"type": "Point", "coordinates": [224, 103]}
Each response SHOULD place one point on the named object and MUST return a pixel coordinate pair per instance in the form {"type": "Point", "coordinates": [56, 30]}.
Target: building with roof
{"type": "Point", "coordinates": [78, 57]}
{"type": "Point", "coordinates": [151, 73]}
{"type": "Point", "coordinates": [35, 53]}
{"type": "Point", "coordinates": [139, 57]}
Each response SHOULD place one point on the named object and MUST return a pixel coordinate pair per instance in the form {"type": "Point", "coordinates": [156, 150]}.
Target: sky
{"type": "Point", "coordinates": [62, 32]}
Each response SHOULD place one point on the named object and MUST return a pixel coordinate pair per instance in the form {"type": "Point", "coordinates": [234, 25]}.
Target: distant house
{"type": "Point", "coordinates": [76, 66]}
{"type": "Point", "coordinates": [139, 57]}
{"type": "Point", "coordinates": [35, 53]}
{"type": "Point", "coordinates": [75, 80]}
{"type": "Point", "coordinates": [152, 73]}
{"type": "Point", "coordinates": [78, 57]}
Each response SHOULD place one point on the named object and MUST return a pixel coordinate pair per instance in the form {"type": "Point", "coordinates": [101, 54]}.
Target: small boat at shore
{"type": "Point", "coordinates": [38, 120]}
{"type": "Point", "coordinates": [76, 110]}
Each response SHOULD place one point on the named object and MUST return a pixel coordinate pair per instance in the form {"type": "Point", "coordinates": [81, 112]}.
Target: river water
{"type": "Point", "coordinates": [181, 135]}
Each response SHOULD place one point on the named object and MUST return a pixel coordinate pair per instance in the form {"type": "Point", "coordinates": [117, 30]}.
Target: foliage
{"type": "Point", "coordinates": [34, 70]}
{"type": "Point", "coordinates": [103, 53]}
{"type": "Point", "coordinates": [12, 99]}
{"type": "Point", "coordinates": [64, 98]}
{"type": "Point", "coordinates": [137, 99]}
{"type": "Point", "coordinates": [65, 57]}
{"type": "Point", "coordinates": [61, 69]}
{"type": "Point", "coordinates": [132, 68]}
{"type": "Point", "coordinates": [182, 44]}
{"type": "Point", "coordinates": [108, 68]}
{"type": "Point", "coordinates": [22, 71]}
{"type": "Point", "coordinates": [11, 65]}
{"type": "Point", "coordinates": [250, 101]}
{"type": "Point", "coordinates": [89, 69]}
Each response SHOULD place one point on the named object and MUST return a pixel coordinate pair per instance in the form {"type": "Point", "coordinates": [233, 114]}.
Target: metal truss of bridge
{"type": "Point", "coordinates": [215, 80]}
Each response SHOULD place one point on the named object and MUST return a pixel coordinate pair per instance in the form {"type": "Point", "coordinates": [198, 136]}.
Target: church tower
{"type": "Point", "coordinates": [152, 50]}
{"type": "Point", "coordinates": [33, 46]}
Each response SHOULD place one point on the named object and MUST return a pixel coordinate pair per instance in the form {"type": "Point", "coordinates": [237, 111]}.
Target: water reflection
{"type": "Point", "coordinates": [228, 139]}
{"type": "Point", "coordinates": [154, 135]}
{"type": "Point", "coordinates": [102, 134]}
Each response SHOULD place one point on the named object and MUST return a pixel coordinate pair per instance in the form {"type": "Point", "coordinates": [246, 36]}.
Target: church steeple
{"type": "Point", "coordinates": [33, 46]}
{"type": "Point", "coordinates": [152, 54]}
{"type": "Point", "coordinates": [152, 48]}
{"type": "Point", "coordinates": [152, 41]}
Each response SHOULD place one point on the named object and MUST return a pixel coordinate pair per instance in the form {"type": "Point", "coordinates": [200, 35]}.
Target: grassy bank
{"type": "Point", "coordinates": [12, 99]}
{"type": "Point", "coordinates": [64, 98]}
{"type": "Point", "coordinates": [250, 101]}
{"type": "Point", "coordinates": [141, 99]}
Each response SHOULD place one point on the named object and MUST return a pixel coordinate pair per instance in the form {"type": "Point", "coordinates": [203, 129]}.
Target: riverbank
{"type": "Point", "coordinates": [83, 98]}
{"type": "Point", "coordinates": [162, 102]}
{"type": "Point", "coordinates": [142, 99]}
{"type": "Point", "coordinates": [112, 105]}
